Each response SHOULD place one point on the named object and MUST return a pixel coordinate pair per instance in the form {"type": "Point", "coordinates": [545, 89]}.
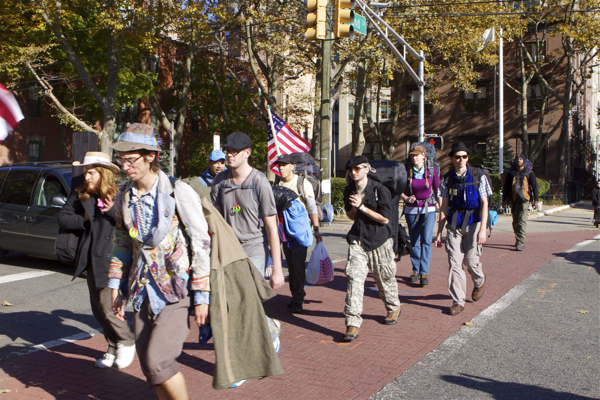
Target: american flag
{"type": "Point", "coordinates": [10, 112]}
{"type": "Point", "coordinates": [288, 141]}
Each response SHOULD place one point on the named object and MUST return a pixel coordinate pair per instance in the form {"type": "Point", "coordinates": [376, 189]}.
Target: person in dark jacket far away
{"type": "Point", "coordinates": [371, 245]}
{"type": "Point", "coordinates": [596, 203]}
{"type": "Point", "coordinates": [90, 209]}
{"type": "Point", "coordinates": [520, 189]}
{"type": "Point", "coordinates": [465, 209]}
{"type": "Point", "coordinates": [216, 164]}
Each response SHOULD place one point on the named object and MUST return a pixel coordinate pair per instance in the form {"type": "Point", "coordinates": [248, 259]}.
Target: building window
{"type": "Point", "coordinates": [476, 102]}
{"type": "Point", "coordinates": [350, 111]}
{"type": "Point", "coordinates": [335, 120]}
{"type": "Point", "coordinates": [532, 49]}
{"type": "Point", "coordinates": [385, 109]}
{"type": "Point", "coordinates": [34, 102]}
{"type": "Point", "coordinates": [414, 103]}
{"type": "Point", "coordinates": [535, 94]}
{"type": "Point", "coordinates": [35, 151]}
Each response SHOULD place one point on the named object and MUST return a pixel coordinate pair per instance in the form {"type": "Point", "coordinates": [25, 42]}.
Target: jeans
{"type": "Point", "coordinates": [420, 230]}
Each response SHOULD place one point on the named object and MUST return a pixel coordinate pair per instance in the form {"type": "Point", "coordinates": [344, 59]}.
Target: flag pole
{"type": "Point", "coordinates": [273, 131]}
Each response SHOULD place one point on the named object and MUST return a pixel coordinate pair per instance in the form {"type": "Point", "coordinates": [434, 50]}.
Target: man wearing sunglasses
{"type": "Point", "coordinates": [371, 243]}
{"type": "Point", "coordinates": [464, 192]}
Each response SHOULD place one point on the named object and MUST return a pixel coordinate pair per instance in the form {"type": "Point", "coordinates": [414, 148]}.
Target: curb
{"type": "Point", "coordinates": [554, 210]}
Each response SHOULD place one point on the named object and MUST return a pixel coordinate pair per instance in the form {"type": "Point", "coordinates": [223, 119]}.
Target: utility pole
{"type": "Point", "coordinates": [325, 115]}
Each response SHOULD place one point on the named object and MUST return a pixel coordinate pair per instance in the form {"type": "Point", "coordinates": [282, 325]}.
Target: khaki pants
{"type": "Point", "coordinates": [519, 224]}
{"type": "Point", "coordinates": [383, 267]}
{"type": "Point", "coordinates": [463, 250]}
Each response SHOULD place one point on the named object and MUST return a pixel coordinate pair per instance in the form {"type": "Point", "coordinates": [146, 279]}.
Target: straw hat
{"type": "Point", "coordinates": [97, 159]}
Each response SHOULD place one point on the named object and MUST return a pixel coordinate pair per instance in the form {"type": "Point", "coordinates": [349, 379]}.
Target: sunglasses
{"type": "Point", "coordinates": [463, 157]}
{"type": "Point", "coordinates": [355, 169]}
{"type": "Point", "coordinates": [233, 152]}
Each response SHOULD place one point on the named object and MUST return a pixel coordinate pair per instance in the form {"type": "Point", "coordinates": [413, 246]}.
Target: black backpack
{"type": "Point", "coordinates": [306, 168]}
{"type": "Point", "coordinates": [66, 245]}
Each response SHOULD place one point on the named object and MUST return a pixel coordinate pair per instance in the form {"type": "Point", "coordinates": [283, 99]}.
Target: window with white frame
{"type": "Point", "coordinates": [350, 111]}
{"type": "Point", "coordinates": [385, 110]}
{"type": "Point", "coordinates": [476, 102]}
{"type": "Point", "coordinates": [536, 49]}
{"type": "Point", "coordinates": [414, 103]}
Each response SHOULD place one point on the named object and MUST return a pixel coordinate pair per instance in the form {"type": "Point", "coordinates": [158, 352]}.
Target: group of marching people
{"type": "Point", "coordinates": [166, 247]}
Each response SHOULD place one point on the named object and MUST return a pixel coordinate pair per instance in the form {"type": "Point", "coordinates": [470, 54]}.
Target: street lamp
{"type": "Point", "coordinates": [171, 115]}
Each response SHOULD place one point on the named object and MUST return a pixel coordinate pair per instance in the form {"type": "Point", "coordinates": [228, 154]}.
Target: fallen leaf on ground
{"type": "Point", "coordinates": [468, 323]}
{"type": "Point", "coordinates": [62, 391]}
{"type": "Point", "coordinates": [6, 303]}
{"type": "Point", "coordinates": [529, 307]}
{"type": "Point", "coordinates": [4, 390]}
{"type": "Point", "coordinates": [582, 311]}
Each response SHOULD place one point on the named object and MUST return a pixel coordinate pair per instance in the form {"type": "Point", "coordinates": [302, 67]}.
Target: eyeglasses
{"type": "Point", "coordinates": [356, 169]}
{"type": "Point", "coordinates": [127, 161]}
{"type": "Point", "coordinates": [464, 157]}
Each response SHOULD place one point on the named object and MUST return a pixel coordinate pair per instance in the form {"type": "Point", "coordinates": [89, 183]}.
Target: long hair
{"type": "Point", "coordinates": [410, 174]}
{"type": "Point", "coordinates": [108, 185]}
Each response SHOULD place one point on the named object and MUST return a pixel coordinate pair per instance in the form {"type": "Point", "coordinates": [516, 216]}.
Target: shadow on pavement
{"type": "Point", "coordinates": [590, 259]}
{"type": "Point", "coordinates": [24, 261]}
{"type": "Point", "coordinates": [508, 390]}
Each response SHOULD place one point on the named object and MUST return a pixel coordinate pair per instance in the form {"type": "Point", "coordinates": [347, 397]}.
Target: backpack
{"type": "Point", "coordinates": [306, 168]}
{"type": "Point", "coordinates": [431, 158]}
{"type": "Point", "coordinates": [66, 245]}
{"type": "Point", "coordinates": [521, 191]}
{"type": "Point", "coordinates": [477, 171]}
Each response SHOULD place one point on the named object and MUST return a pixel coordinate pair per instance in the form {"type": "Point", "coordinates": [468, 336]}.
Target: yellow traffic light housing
{"type": "Point", "coordinates": [316, 19]}
{"type": "Point", "coordinates": [344, 17]}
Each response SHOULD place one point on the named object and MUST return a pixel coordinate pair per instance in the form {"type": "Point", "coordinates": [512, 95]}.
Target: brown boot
{"type": "Point", "coordinates": [455, 309]}
{"type": "Point", "coordinates": [414, 278]}
{"type": "Point", "coordinates": [351, 333]}
{"type": "Point", "coordinates": [478, 292]}
{"type": "Point", "coordinates": [392, 317]}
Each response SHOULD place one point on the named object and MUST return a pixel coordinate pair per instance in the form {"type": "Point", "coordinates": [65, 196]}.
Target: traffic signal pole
{"type": "Point", "coordinates": [325, 116]}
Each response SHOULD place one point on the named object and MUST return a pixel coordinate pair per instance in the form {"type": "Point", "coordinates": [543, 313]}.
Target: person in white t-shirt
{"type": "Point", "coordinates": [296, 259]}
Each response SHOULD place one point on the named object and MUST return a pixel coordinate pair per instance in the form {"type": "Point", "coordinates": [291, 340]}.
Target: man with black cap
{"type": "Point", "coordinates": [296, 257]}
{"type": "Point", "coordinates": [216, 164]}
{"type": "Point", "coordinates": [370, 241]}
{"type": "Point", "coordinates": [464, 191]}
{"type": "Point", "coordinates": [520, 188]}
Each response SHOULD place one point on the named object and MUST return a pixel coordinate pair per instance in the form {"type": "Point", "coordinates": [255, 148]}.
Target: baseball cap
{"type": "Point", "coordinates": [216, 155]}
{"type": "Point", "coordinates": [284, 159]}
{"type": "Point", "coordinates": [238, 141]}
{"type": "Point", "coordinates": [356, 160]}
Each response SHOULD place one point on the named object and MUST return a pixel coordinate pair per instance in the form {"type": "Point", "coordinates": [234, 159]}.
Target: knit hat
{"type": "Point", "coordinates": [137, 137]}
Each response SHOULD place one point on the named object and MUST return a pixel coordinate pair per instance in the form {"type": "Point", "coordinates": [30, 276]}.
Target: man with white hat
{"type": "Point", "coordinates": [90, 210]}
{"type": "Point", "coordinates": [216, 164]}
{"type": "Point", "coordinates": [150, 260]}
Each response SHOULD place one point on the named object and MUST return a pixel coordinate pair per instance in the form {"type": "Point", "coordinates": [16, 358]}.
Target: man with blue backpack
{"type": "Point", "coordinates": [520, 188]}
{"type": "Point", "coordinates": [464, 192]}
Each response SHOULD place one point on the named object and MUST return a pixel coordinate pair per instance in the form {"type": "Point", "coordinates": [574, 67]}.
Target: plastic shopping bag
{"type": "Point", "coordinates": [320, 266]}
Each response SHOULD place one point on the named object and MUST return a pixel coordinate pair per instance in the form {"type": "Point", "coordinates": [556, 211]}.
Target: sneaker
{"type": "Point", "coordinates": [392, 317]}
{"type": "Point", "coordinates": [106, 361]}
{"type": "Point", "coordinates": [351, 333]}
{"type": "Point", "coordinates": [520, 247]}
{"type": "Point", "coordinates": [125, 355]}
{"type": "Point", "coordinates": [238, 384]}
{"type": "Point", "coordinates": [414, 277]}
{"type": "Point", "coordinates": [296, 307]}
{"type": "Point", "coordinates": [478, 292]}
{"type": "Point", "coordinates": [455, 309]}
{"type": "Point", "coordinates": [424, 280]}
{"type": "Point", "coordinates": [277, 345]}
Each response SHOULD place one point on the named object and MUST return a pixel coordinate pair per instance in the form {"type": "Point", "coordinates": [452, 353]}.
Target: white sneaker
{"type": "Point", "coordinates": [106, 361]}
{"type": "Point", "coordinates": [125, 356]}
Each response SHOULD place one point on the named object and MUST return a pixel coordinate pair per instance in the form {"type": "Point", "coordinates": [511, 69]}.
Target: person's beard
{"type": "Point", "coordinates": [95, 190]}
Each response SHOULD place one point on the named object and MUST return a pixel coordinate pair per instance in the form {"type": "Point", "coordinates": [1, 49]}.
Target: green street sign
{"type": "Point", "coordinates": [360, 24]}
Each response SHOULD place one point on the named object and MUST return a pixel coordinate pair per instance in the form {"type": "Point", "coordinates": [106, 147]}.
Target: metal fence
{"type": "Point", "coordinates": [568, 193]}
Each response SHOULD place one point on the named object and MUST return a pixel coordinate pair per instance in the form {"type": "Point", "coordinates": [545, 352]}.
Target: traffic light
{"type": "Point", "coordinates": [316, 19]}
{"type": "Point", "coordinates": [436, 141]}
{"type": "Point", "coordinates": [344, 17]}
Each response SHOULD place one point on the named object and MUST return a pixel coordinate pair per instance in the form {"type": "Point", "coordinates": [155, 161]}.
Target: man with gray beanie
{"type": "Point", "coordinates": [370, 240]}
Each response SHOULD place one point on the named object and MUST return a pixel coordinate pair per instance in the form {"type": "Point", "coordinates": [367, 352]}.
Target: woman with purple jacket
{"type": "Point", "coordinates": [420, 199]}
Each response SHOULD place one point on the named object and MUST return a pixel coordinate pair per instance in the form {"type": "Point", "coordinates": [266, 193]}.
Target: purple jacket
{"type": "Point", "coordinates": [422, 193]}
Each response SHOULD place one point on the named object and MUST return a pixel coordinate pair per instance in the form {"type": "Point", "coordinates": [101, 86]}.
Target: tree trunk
{"type": "Point", "coordinates": [358, 138]}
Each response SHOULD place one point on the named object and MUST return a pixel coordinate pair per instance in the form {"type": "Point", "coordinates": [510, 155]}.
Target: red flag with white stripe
{"type": "Point", "coordinates": [288, 141]}
{"type": "Point", "coordinates": [10, 112]}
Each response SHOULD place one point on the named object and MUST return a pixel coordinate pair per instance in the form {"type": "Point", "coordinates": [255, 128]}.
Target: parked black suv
{"type": "Point", "coordinates": [31, 196]}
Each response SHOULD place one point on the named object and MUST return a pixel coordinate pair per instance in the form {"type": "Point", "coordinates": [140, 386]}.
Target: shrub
{"type": "Point", "coordinates": [337, 192]}
{"type": "Point", "coordinates": [496, 186]}
{"type": "Point", "coordinates": [543, 186]}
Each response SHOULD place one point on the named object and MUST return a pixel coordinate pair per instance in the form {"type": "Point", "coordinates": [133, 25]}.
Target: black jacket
{"type": "Point", "coordinates": [596, 197]}
{"type": "Point", "coordinates": [97, 242]}
{"type": "Point", "coordinates": [531, 181]}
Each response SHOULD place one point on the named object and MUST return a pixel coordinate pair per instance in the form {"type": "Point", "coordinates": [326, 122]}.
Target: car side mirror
{"type": "Point", "coordinates": [58, 200]}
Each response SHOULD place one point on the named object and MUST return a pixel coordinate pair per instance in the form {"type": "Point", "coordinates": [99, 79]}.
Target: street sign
{"type": "Point", "coordinates": [360, 24]}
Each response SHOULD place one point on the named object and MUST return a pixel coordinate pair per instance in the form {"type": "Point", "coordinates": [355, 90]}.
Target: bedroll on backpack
{"type": "Point", "coordinates": [430, 153]}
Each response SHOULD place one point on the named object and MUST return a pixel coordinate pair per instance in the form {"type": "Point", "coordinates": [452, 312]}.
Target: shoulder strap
{"type": "Point", "coordinates": [300, 187]}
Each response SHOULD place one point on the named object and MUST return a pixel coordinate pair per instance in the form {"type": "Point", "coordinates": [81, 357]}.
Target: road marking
{"type": "Point", "coordinates": [54, 343]}
{"type": "Point", "coordinates": [578, 245]}
{"type": "Point", "coordinates": [551, 279]}
{"type": "Point", "coordinates": [23, 276]}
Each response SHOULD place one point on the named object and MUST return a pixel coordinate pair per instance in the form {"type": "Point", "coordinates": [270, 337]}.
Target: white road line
{"type": "Point", "coordinates": [579, 245]}
{"type": "Point", "coordinates": [597, 237]}
{"type": "Point", "coordinates": [54, 343]}
{"type": "Point", "coordinates": [23, 276]}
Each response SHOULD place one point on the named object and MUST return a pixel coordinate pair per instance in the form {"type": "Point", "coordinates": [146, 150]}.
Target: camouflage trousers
{"type": "Point", "coordinates": [383, 267]}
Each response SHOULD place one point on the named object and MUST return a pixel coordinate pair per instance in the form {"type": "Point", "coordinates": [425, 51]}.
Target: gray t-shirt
{"type": "Point", "coordinates": [255, 200]}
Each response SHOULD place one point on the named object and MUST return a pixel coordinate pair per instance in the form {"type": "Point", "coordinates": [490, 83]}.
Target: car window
{"type": "Point", "coordinates": [18, 187]}
{"type": "Point", "coordinates": [3, 174]}
{"type": "Point", "coordinates": [51, 186]}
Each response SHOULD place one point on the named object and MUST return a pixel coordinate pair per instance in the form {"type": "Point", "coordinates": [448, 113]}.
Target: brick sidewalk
{"type": "Point", "coordinates": [317, 365]}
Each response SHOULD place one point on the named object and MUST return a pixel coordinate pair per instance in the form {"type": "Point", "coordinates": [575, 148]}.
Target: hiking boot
{"type": "Point", "coordinates": [520, 247]}
{"type": "Point", "coordinates": [351, 333]}
{"type": "Point", "coordinates": [106, 361]}
{"type": "Point", "coordinates": [424, 280]}
{"type": "Point", "coordinates": [296, 307]}
{"type": "Point", "coordinates": [478, 292]}
{"type": "Point", "coordinates": [392, 317]}
{"type": "Point", "coordinates": [455, 309]}
{"type": "Point", "coordinates": [125, 355]}
{"type": "Point", "coordinates": [414, 277]}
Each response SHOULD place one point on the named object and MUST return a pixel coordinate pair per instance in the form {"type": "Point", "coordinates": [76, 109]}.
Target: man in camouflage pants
{"type": "Point", "coordinates": [370, 242]}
